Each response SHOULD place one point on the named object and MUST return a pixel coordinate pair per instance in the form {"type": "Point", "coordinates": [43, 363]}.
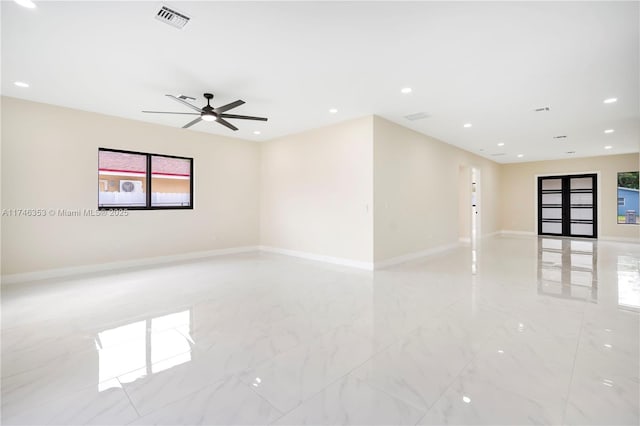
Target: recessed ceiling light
{"type": "Point", "coordinates": [501, 144]}
{"type": "Point", "coordinates": [520, 155]}
{"type": "Point", "coordinates": [610, 100]}
{"type": "Point", "coordinates": [21, 84]}
{"type": "Point", "coordinates": [256, 132]}
{"type": "Point", "coordinates": [333, 110]}
{"type": "Point", "coordinates": [26, 3]}
{"type": "Point", "coordinates": [467, 125]}
{"type": "Point", "coordinates": [608, 147]}
{"type": "Point", "coordinates": [406, 90]}
{"type": "Point", "coordinates": [609, 131]}
{"type": "Point", "coordinates": [466, 399]}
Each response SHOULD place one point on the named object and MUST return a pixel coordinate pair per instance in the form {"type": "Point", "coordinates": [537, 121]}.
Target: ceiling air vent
{"type": "Point", "coordinates": [542, 109]}
{"type": "Point", "coordinates": [416, 116]}
{"type": "Point", "coordinates": [500, 154]}
{"type": "Point", "coordinates": [172, 17]}
{"type": "Point", "coordinates": [560, 137]}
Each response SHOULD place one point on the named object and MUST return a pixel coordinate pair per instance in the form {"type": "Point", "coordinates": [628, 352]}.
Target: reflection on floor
{"type": "Point", "coordinates": [568, 268]}
{"type": "Point", "coordinates": [143, 347]}
{"type": "Point", "coordinates": [513, 330]}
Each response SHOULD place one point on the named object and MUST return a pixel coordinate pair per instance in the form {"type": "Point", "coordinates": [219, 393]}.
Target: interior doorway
{"type": "Point", "coordinates": [567, 205]}
{"type": "Point", "coordinates": [475, 203]}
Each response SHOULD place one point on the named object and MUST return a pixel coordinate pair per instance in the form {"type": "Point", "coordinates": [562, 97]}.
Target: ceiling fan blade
{"type": "Point", "coordinates": [242, 117]}
{"type": "Point", "coordinates": [167, 112]}
{"type": "Point", "coordinates": [183, 102]}
{"type": "Point", "coordinates": [226, 123]}
{"type": "Point", "coordinates": [191, 123]}
{"type": "Point", "coordinates": [227, 107]}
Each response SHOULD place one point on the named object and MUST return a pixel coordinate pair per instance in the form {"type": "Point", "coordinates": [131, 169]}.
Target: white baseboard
{"type": "Point", "coordinates": [416, 255]}
{"type": "Point", "coordinates": [492, 234]}
{"type": "Point", "coordinates": [467, 240]}
{"type": "Point", "coordinates": [320, 258]}
{"type": "Point", "coordinates": [621, 239]}
{"type": "Point", "coordinates": [87, 269]}
{"type": "Point", "coordinates": [509, 232]}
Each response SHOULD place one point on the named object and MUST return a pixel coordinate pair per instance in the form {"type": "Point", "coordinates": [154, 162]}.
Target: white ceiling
{"type": "Point", "coordinates": [485, 63]}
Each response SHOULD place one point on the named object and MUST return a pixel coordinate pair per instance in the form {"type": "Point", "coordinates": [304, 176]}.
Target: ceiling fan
{"type": "Point", "coordinates": [209, 113]}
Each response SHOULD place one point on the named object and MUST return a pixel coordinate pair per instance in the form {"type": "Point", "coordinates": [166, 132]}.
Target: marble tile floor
{"type": "Point", "coordinates": [546, 331]}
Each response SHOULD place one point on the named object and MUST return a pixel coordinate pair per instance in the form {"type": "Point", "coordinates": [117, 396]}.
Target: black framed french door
{"type": "Point", "coordinates": [567, 205]}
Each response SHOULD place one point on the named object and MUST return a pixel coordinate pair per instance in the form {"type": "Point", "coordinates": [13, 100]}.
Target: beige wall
{"type": "Point", "coordinates": [519, 191]}
{"type": "Point", "coordinates": [364, 190]}
{"type": "Point", "coordinates": [40, 141]}
{"type": "Point", "coordinates": [317, 191]}
{"type": "Point", "coordinates": [418, 192]}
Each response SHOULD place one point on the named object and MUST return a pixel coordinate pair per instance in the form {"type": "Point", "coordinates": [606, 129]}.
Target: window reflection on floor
{"type": "Point", "coordinates": [144, 347]}
{"type": "Point", "coordinates": [567, 268]}
{"type": "Point", "coordinates": [628, 282]}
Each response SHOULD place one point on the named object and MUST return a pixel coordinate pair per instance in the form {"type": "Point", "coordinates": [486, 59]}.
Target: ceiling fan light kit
{"type": "Point", "coordinates": [209, 113]}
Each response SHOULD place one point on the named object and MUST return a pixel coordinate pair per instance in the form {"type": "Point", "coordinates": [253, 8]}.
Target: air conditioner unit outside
{"type": "Point", "coordinates": [130, 186]}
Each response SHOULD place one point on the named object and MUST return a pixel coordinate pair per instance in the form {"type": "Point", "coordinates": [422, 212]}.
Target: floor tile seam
{"type": "Point", "coordinates": [69, 394]}
{"type": "Point", "coordinates": [19, 326]}
{"type": "Point", "coordinates": [135, 409]}
{"type": "Point", "coordinates": [462, 369]}
{"type": "Point", "coordinates": [173, 401]}
{"type": "Point", "coordinates": [84, 351]}
{"type": "Point", "coordinates": [253, 390]}
{"type": "Point", "coordinates": [573, 368]}
{"type": "Point", "coordinates": [437, 315]}
{"type": "Point", "coordinates": [390, 394]}
{"type": "Point", "coordinates": [116, 377]}
{"type": "Point", "coordinates": [54, 359]}
{"type": "Point", "coordinates": [79, 389]}
{"type": "Point", "coordinates": [87, 350]}
{"type": "Point", "coordinates": [314, 394]}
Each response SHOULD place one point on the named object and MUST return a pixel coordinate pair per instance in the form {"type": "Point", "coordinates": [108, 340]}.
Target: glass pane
{"type": "Point", "coordinates": [551, 258]}
{"type": "Point", "coordinates": [581, 183]}
{"type": "Point", "coordinates": [582, 214]}
{"type": "Point", "coordinates": [628, 200]}
{"type": "Point", "coordinates": [122, 179]}
{"type": "Point", "coordinates": [552, 228]}
{"type": "Point", "coordinates": [582, 198]}
{"type": "Point", "coordinates": [548, 213]}
{"type": "Point", "coordinates": [551, 243]}
{"type": "Point", "coordinates": [582, 278]}
{"type": "Point", "coordinates": [584, 261]}
{"type": "Point", "coordinates": [582, 229]}
{"type": "Point", "coordinates": [552, 274]}
{"type": "Point", "coordinates": [170, 182]}
{"type": "Point", "coordinates": [551, 199]}
{"type": "Point", "coordinates": [585, 246]}
{"type": "Point", "coordinates": [552, 184]}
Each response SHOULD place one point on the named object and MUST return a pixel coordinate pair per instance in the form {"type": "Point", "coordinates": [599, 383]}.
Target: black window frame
{"type": "Point", "coordinates": [148, 176]}
{"type": "Point", "coordinates": [566, 205]}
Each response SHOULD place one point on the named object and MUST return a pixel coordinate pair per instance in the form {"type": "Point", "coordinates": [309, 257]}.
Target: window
{"type": "Point", "coordinates": [136, 180]}
{"type": "Point", "coordinates": [628, 202]}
